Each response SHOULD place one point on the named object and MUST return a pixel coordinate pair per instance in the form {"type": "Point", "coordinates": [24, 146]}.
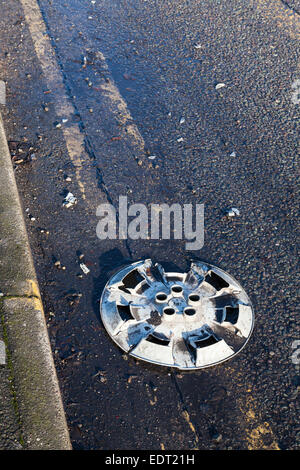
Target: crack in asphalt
{"type": "Point", "coordinates": [185, 409]}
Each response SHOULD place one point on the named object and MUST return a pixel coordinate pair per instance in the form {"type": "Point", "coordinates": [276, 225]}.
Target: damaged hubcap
{"type": "Point", "coordinates": [185, 320]}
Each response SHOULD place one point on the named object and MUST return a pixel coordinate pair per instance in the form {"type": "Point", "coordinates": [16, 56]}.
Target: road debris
{"type": "Point", "coordinates": [216, 436]}
{"type": "Point", "coordinates": [43, 230]}
{"type": "Point", "coordinates": [70, 200]}
{"type": "Point", "coordinates": [84, 268]}
{"type": "Point", "coordinates": [232, 212]}
{"type": "Point", "coordinates": [182, 120]}
{"type": "Point", "coordinates": [180, 139]}
{"type": "Point", "coordinates": [130, 378]}
{"type": "Point", "coordinates": [220, 85]}
{"type": "Point", "coordinates": [101, 374]}
{"type": "Point", "coordinates": [21, 152]}
{"type": "Point", "coordinates": [58, 265]}
{"type": "Point", "coordinates": [233, 154]}
{"type": "Point", "coordinates": [30, 216]}
{"type": "Point", "coordinates": [73, 298]}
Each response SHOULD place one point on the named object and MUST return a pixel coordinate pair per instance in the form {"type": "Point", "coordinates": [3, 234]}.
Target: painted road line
{"type": "Point", "coordinates": [2, 353]}
{"type": "Point", "coordinates": [2, 93]}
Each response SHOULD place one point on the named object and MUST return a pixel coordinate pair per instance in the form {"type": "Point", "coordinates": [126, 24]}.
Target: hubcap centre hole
{"type": "Point", "coordinates": [160, 297]}
{"type": "Point", "coordinates": [176, 289]}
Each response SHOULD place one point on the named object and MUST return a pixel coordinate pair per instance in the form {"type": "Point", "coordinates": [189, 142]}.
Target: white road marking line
{"type": "Point", "coordinates": [2, 353]}
{"type": "Point", "coordinates": [2, 93]}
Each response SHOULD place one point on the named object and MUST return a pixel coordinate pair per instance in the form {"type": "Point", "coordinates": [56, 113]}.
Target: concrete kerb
{"type": "Point", "coordinates": [37, 392]}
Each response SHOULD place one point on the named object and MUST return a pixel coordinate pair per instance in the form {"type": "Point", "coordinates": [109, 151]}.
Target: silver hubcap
{"type": "Point", "coordinates": [185, 320]}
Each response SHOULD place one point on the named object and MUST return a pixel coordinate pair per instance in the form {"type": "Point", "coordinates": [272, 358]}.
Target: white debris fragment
{"type": "Point", "coordinates": [182, 120]}
{"type": "Point", "coordinates": [232, 212]}
{"type": "Point", "coordinates": [2, 353]}
{"type": "Point", "coordinates": [84, 268]}
{"type": "Point", "coordinates": [233, 154]}
{"type": "Point", "coordinates": [180, 139]}
{"type": "Point", "coordinates": [2, 92]}
{"type": "Point", "coordinates": [197, 46]}
{"type": "Point", "coordinates": [152, 157]}
{"type": "Point", "coordinates": [70, 200]}
{"type": "Point", "coordinates": [296, 92]}
{"type": "Point", "coordinates": [1, 294]}
{"type": "Point", "coordinates": [220, 85]}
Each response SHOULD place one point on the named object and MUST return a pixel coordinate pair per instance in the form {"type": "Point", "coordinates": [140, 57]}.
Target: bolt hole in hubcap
{"type": "Point", "coordinates": [161, 297]}
{"type": "Point", "coordinates": [186, 320]}
{"type": "Point", "coordinates": [169, 311]}
{"type": "Point", "coordinates": [189, 311]}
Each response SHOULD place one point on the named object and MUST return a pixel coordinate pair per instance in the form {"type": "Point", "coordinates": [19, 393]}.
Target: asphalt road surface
{"type": "Point", "coordinates": [93, 90]}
